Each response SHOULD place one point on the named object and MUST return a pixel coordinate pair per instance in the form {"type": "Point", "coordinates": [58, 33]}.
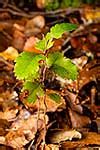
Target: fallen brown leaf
{"type": "Point", "coordinates": [89, 139]}
{"type": "Point", "coordinates": [10, 53]}
{"type": "Point", "coordinates": [64, 135]}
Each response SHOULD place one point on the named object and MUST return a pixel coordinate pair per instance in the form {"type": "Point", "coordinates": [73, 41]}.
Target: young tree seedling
{"type": "Point", "coordinates": [31, 67]}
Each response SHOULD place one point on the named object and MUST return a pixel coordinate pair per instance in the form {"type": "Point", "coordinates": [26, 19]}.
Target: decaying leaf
{"type": "Point", "coordinates": [10, 53]}
{"type": "Point", "coordinates": [8, 114]}
{"type": "Point", "coordinates": [34, 25]}
{"type": "Point", "coordinates": [92, 15]}
{"type": "Point", "coordinates": [62, 135]}
{"type": "Point", "coordinates": [78, 121]}
{"type": "Point", "coordinates": [90, 139]}
{"type": "Point", "coordinates": [23, 130]}
{"type": "Point", "coordinates": [49, 147]}
{"type": "Point", "coordinates": [81, 61]}
{"type": "Point", "coordinates": [91, 72]}
{"type": "Point", "coordinates": [30, 45]}
{"type": "Point", "coordinates": [2, 139]}
{"type": "Point", "coordinates": [38, 21]}
{"type": "Point", "coordinates": [18, 39]}
{"type": "Point", "coordinates": [9, 108]}
{"type": "Point", "coordinates": [40, 3]}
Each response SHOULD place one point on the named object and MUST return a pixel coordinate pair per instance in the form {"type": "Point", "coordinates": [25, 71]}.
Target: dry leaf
{"type": "Point", "coordinates": [92, 15]}
{"type": "Point", "coordinates": [37, 21]}
{"type": "Point", "coordinates": [34, 25]}
{"type": "Point", "coordinates": [63, 135]}
{"type": "Point", "coordinates": [89, 73]}
{"type": "Point", "coordinates": [49, 147]}
{"type": "Point", "coordinates": [10, 53]}
{"type": "Point", "coordinates": [30, 45]}
{"type": "Point", "coordinates": [9, 108]}
{"type": "Point", "coordinates": [9, 114]}
{"type": "Point", "coordinates": [40, 3]}
{"type": "Point", "coordinates": [18, 39]}
{"type": "Point", "coordinates": [80, 62]}
{"type": "Point", "coordinates": [89, 139]}
{"type": "Point", "coordinates": [23, 129]}
{"type": "Point", "coordinates": [78, 120]}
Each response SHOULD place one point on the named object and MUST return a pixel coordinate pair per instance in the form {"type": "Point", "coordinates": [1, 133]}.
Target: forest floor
{"type": "Point", "coordinates": [75, 121]}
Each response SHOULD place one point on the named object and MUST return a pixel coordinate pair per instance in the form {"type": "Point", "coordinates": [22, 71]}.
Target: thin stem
{"type": "Point", "coordinates": [44, 101]}
{"type": "Point", "coordinates": [45, 127]}
{"type": "Point", "coordinates": [38, 116]}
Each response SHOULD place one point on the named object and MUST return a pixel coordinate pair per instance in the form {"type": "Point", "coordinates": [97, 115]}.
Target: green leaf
{"type": "Point", "coordinates": [41, 45]}
{"type": "Point", "coordinates": [35, 89]}
{"type": "Point", "coordinates": [59, 29]}
{"type": "Point", "coordinates": [62, 66]}
{"type": "Point", "coordinates": [55, 97]}
{"type": "Point", "coordinates": [53, 57]}
{"type": "Point", "coordinates": [45, 43]}
{"type": "Point", "coordinates": [27, 65]}
{"type": "Point", "coordinates": [55, 32]}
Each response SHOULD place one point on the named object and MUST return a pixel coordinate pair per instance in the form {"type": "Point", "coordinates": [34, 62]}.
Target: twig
{"type": "Point", "coordinates": [38, 116]}
{"type": "Point", "coordinates": [15, 12]}
{"type": "Point", "coordinates": [14, 7]}
{"type": "Point", "coordinates": [45, 127]}
{"type": "Point", "coordinates": [62, 12]}
{"type": "Point", "coordinates": [31, 144]}
{"type": "Point", "coordinates": [6, 62]}
{"type": "Point", "coordinates": [7, 35]}
{"type": "Point", "coordinates": [67, 11]}
{"type": "Point", "coordinates": [45, 107]}
{"type": "Point", "coordinates": [75, 33]}
{"type": "Point", "coordinates": [66, 49]}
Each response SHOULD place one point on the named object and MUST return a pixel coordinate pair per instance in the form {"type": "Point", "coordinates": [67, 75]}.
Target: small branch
{"type": "Point", "coordinates": [38, 116]}
{"type": "Point", "coordinates": [68, 48]}
{"type": "Point", "coordinates": [6, 62]}
{"type": "Point", "coordinates": [67, 11]}
{"type": "Point", "coordinates": [76, 32]}
{"type": "Point", "coordinates": [21, 14]}
{"type": "Point", "coordinates": [7, 35]}
{"type": "Point", "coordinates": [14, 7]}
{"type": "Point", "coordinates": [45, 127]}
{"type": "Point", "coordinates": [29, 148]}
{"type": "Point", "coordinates": [45, 107]}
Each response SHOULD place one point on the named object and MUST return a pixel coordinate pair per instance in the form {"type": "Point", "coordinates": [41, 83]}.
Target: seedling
{"type": "Point", "coordinates": [32, 67]}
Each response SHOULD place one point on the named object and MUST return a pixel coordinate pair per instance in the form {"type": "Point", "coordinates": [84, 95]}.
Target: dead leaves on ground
{"type": "Point", "coordinates": [62, 135]}
{"type": "Point", "coordinates": [22, 126]}
{"type": "Point", "coordinates": [19, 120]}
{"type": "Point", "coordinates": [23, 129]}
{"type": "Point", "coordinates": [89, 139]}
